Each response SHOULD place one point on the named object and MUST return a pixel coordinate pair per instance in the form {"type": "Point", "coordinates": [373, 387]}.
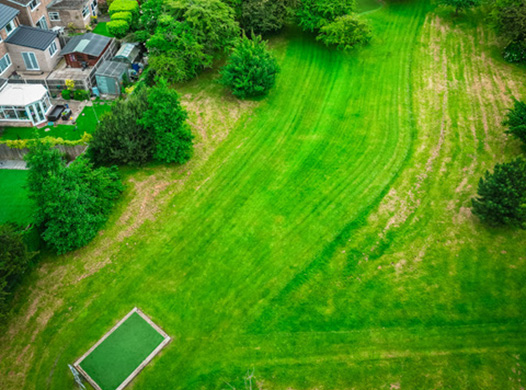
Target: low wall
{"type": "Point", "coordinates": [71, 152]}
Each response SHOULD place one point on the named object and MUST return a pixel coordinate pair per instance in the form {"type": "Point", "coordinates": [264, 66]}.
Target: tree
{"type": "Point", "coordinates": [263, 16]}
{"type": "Point", "coordinates": [251, 70]}
{"type": "Point", "coordinates": [314, 14]}
{"type": "Point", "coordinates": [345, 32]}
{"type": "Point", "coordinates": [151, 11]}
{"type": "Point", "coordinates": [166, 120]}
{"type": "Point", "coordinates": [509, 18]}
{"type": "Point", "coordinates": [14, 261]}
{"type": "Point", "coordinates": [516, 121]}
{"type": "Point", "coordinates": [501, 195]}
{"type": "Point", "coordinates": [72, 202]}
{"type": "Point", "coordinates": [119, 138]}
{"type": "Point", "coordinates": [460, 5]}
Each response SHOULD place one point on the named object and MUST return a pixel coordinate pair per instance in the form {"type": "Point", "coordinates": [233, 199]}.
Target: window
{"type": "Point", "coordinates": [42, 23]}
{"type": "Point", "coordinates": [34, 4]}
{"type": "Point", "coordinates": [54, 16]}
{"type": "Point", "coordinates": [10, 27]}
{"type": "Point", "coordinates": [5, 62]}
{"type": "Point", "coordinates": [85, 11]}
{"type": "Point", "coordinates": [30, 60]}
{"type": "Point", "coordinates": [52, 48]}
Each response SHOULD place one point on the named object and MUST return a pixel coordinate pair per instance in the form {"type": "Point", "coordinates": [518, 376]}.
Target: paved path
{"type": "Point", "coordinates": [12, 164]}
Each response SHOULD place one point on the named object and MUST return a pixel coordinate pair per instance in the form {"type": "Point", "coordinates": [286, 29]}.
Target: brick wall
{"type": "Point", "coordinates": [45, 61]}
{"type": "Point", "coordinates": [71, 16]}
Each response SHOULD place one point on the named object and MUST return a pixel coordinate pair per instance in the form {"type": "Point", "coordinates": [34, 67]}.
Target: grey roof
{"type": "Point", "coordinates": [112, 69]}
{"type": "Point", "coordinates": [6, 15]}
{"type": "Point", "coordinates": [35, 38]}
{"type": "Point", "coordinates": [90, 44]}
{"type": "Point", "coordinates": [66, 4]}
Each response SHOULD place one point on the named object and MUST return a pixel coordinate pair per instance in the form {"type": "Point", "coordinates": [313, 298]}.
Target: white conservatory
{"type": "Point", "coordinates": [24, 104]}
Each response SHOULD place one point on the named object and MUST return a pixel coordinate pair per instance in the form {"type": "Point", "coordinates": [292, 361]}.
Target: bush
{"type": "Point", "coordinates": [345, 32]}
{"type": "Point", "coordinates": [66, 94]}
{"type": "Point", "coordinates": [72, 202]}
{"type": "Point", "coordinates": [260, 17]}
{"type": "Point", "coordinates": [118, 28]}
{"type": "Point", "coordinates": [166, 120]}
{"type": "Point", "coordinates": [14, 261]}
{"type": "Point", "coordinates": [119, 138]}
{"type": "Point", "coordinates": [126, 16]}
{"type": "Point", "coordinates": [81, 95]}
{"type": "Point", "coordinates": [515, 52]}
{"type": "Point", "coordinates": [314, 14]}
{"type": "Point", "coordinates": [501, 195]}
{"type": "Point", "coordinates": [251, 70]}
{"type": "Point", "coordinates": [516, 121]}
{"type": "Point", "coordinates": [130, 6]}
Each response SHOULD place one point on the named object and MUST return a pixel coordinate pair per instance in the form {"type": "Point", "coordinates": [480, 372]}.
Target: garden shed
{"type": "Point", "coordinates": [128, 53]}
{"type": "Point", "coordinates": [110, 77]}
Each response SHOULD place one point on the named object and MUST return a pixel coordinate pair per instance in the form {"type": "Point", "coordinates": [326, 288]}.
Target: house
{"type": "Point", "coordinates": [33, 50]}
{"type": "Point", "coordinates": [32, 12]}
{"type": "Point", "coordinates": [8, 24]}
{"type": "Point", "coordinates": [72, 12]}
{"type": "Point", "coordinates": [85, 50]}
{"type": "Point", "coordinates": [23, 104]}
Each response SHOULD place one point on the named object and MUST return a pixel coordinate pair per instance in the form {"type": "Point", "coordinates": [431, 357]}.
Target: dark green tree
{"type": "Point", "coordinates": [263, 16]}
{"type": "Point", "coordinates": [516, 121]}
{"type": "Point", "coordinates": [509, 17]}
{"type": "Point", "coordinates": [166, 120]}
{"type": "Point", "coordinates": [119, 138]}
{"type": "Point", "coordinates": [251, 69]}
{"type": "Point", "coordinates": [314, 14]}
{"type": "Point", "coordinates": [345, 32]}
{"type": "Point", "coordinates": [460, 5]}
{"type": "Point", "coordinates": [151, 11]}
{"type": "Point", "coordinates": [72, 202]}
{"type": "Point", "coordinates": [501, 195]}
{"type": "Point", "coordinates": [14, 261]}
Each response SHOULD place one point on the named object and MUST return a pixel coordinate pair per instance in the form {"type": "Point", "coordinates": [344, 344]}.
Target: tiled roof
{"type": "Point", "coordinates": [32, 37]}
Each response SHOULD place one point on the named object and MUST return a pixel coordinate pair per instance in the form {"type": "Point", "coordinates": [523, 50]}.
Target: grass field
{"type": "Point", "coordinates": [15, 205]}
{"type": "Point", "coordinates": [86, 122]}
{"type": "Point", "coordinates": [322, 236]}
{"type": "Point", "coordinates": [123, 351]}
{"type": "Point", "coordinates": [102, 29]}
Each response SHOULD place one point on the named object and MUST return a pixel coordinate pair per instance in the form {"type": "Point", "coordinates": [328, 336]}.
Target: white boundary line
{"type": "Point", "coordinates": [125, 383]}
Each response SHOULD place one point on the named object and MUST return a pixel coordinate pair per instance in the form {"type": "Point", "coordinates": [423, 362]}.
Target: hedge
{"type": "Point", "coordinates": [118, 28]}
{"type": "Point", "coordinates": [126, 16]}
{"type": "Point", "coordinates": [24, 143]}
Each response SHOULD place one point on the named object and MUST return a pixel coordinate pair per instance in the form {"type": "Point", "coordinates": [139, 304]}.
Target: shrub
{"type": "Point", "coordinates": [66, 94]}
{"type": "Point", "coordinates": [166, 120]}
{"type": "Point", "coordinates": [251, 69]}
{"type": "Point", "coordinates": [118, 28]}
{"type": "Point", "coordinates": [260, 17]}
{"type": "Point", "coordinates": [501, 195]}
{"type": "Point", "coordinates": [345, 32]}
{"type": "Point", "coordinates": [72, 202]}
{"type": "Point", "coordinates": [14, 261]}
{"type": "Point", "coordinates": [515, 52]}
{"type": "Point", "coordinates": [130, 6]}
{"type": "Point", "coordinates": [516, 121]}
{"type": "Point", "coordinates": [81, 94]}
{"type": "Point", "coordinates": [313, 14]}
{"type": "Point", "coordinates": [126, 16]}
{"type": "Point", "coordinates": [119, 138]}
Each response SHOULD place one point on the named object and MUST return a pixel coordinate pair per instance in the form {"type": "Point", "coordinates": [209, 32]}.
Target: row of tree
{"type": "Point", "coordinates": [501, 195]}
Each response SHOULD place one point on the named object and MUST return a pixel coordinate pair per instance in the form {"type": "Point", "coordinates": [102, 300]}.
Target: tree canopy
{"type": "Point", "coordinates": [251, 69]}
{"type": "Point", "coordinates": [261, 17]}
{"type": "Point", "coordinates": [314, 14]}
{"type": "Point", "coordinates": [345, 32]}
{"type": "Point", "coordinates": [501, 195]}
{"type": "Point", "coordinates": [460, 5]}
{"type": "Point", "coordinates": [516, 121]}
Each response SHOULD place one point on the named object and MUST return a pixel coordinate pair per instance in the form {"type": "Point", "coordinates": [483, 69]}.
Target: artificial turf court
{"type": "Point", "coordinates": [119, 356]}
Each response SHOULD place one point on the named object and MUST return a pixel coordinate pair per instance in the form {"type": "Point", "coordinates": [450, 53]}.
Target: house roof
{"type": "Point", "coordinates": [90, 44]}
{"type": "Point", "coordinates": [35, 38]}
{"type": "Point", "coordinates": [66, 4]}
{"type": "Point", "coordinates": [6, 15]}
{"type": "Point", "coordinates": [19, 95]}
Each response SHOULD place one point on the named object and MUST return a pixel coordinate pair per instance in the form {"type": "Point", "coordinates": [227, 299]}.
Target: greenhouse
{"type": "Point", "coordinates": [128, 53]}
{"type": "Point", "coordinates": [27, 103]}
{"type": "Point", "coordinates": [110, 77]}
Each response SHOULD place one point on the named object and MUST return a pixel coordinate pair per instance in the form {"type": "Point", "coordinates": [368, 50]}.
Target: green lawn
{"type": "Point", "coordinates": [86, 122]}
{"type": "Point", "coordinates": [321, 236]}
{"type": "Point", "coordinates": [121, 352]}
{"type": "Point", "coordinates": [102, 29]}
{"type": "Point", "coordinates": [15, 205]}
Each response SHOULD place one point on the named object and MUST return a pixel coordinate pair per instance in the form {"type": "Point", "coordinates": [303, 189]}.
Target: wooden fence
{"type": "Point", "coordinates": [71, 151]}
